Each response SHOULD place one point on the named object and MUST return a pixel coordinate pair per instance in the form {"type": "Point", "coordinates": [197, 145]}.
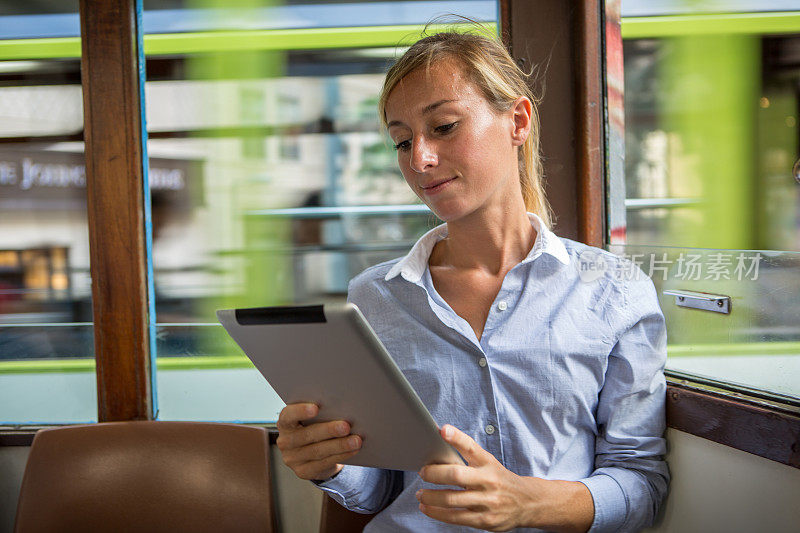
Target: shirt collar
{"type": "Point", "coordinates": [413, 265]}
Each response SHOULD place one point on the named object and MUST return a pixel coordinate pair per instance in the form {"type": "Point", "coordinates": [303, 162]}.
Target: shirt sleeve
{"type": "Point", "coordinates": [364, 490]}
{"type": "Point", "coordinates": [630, 478]}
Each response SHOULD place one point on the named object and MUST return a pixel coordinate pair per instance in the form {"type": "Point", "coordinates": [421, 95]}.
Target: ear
{"type": "Point", "coordinates": [521, 112]}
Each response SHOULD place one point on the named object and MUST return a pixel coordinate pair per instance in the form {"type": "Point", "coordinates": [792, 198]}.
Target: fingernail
{"type": "Point", "coordinates": [353, 443]}
{"type": "Point", "coordinates": [342, 429]}
{"type": "Point", "coordinates": [448, 431]}
{"type": "Point", "coordinates": [310, 410]}
{"type": "Point", "coordinates": [418, 493]}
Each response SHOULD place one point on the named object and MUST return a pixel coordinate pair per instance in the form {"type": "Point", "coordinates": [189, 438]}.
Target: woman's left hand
{"type": "Point", "coordinates": [496, 499]}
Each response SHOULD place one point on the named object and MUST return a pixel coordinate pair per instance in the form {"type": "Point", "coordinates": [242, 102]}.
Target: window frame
{"type": "Point", "coordinates": [118, 197]}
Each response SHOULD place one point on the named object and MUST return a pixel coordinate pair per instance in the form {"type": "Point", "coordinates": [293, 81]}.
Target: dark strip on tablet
{"type": "Point", "coordinates": [255, 316]}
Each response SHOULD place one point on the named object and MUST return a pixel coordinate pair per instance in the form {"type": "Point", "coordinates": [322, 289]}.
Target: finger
{"type": "Point", "coordinates": [322, 450]}
{"type": "Point", "coordinates": [464, 499]}
{"type": "Point", "coordinates": [291, 415]}
{"type": "Point", "coordinates": [466, 446]}
{"type": "Point", "coordinates": [463, 517]}
{"type": "Point", "coordinates": [455, 475]}
{"type": "Point", "coordinates": [323, 469]}
{"type": "Point", "coordinates": [305, 435]}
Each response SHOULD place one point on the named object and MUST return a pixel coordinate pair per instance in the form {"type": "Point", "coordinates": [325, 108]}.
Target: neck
{"type": "Point", "coordinates": [491, 240]}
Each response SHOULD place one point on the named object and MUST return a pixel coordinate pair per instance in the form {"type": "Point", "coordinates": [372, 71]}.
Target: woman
{"type": "Point", "coordinates": [548, 382]}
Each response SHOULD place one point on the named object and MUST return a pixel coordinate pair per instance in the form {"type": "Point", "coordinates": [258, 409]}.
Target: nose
{"type": "Point", "coordinates": [423, 155]}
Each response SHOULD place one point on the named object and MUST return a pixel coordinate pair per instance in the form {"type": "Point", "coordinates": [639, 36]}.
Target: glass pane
{"type": "Point", "coordinates": [710, 202]}
{"type": "Point", "coordinates": [756, 344]}
{"type": "Point", "coordinates": [47, 373]}
{"type": "Point", "coordinates": [46, 341]}
{"type": "Point", "coordinates": [710, 139]}
{"type": "Point", "coordinates": [202, 375]}
{"type": "Point", "coordinates": [284, 190]}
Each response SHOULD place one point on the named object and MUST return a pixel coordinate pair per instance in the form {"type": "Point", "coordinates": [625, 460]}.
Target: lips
{"type": "Point", "coordinates": [437, 185]}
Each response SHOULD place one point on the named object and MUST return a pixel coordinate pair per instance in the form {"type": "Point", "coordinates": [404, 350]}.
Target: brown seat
{"type": "Point", "coordinates": [337, 519]}
{"type": "Point", "coordinates": [147, 476]}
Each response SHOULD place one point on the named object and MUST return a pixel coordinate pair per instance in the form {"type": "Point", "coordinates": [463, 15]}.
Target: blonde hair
{"type": "Point", "coordinates": [488, 65]}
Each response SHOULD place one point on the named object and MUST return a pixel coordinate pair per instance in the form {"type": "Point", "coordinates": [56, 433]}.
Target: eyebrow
{"type": "Point", "coordinates": [425, 110]}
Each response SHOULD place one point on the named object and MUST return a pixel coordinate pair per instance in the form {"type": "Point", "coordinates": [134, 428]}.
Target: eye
{"type": "Point", "coordinates": [445, 128]}
{"type": "Point", "coordinates": [402, 145]}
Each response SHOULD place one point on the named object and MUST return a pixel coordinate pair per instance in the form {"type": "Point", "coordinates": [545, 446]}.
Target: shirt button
{"type": "Point", "coordinates": [489, 429]}
{"type": "Point", "coordinates": [482, 362]}
{"type": "Point", "coordinates": [502, 306]}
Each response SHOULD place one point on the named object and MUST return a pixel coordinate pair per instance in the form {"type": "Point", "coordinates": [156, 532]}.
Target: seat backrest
{"type": "Point", "coordinates": [147, 476]}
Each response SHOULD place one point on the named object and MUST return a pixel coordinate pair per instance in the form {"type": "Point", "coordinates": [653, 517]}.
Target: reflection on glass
{"type": "Point", "coordinates": [716, 134]}
{"type": "Point", "coordinates": [288, 191]}
{"type": "Point", "coordinates": [758, 343]}
{"type": "Point", "coordinates": [46, 344]}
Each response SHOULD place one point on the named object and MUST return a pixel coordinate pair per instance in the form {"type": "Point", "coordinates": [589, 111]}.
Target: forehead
{"type": "Point", "coordinates": [443, 80]}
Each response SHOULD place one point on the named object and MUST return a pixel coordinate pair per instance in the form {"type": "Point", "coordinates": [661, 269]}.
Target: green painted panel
{"type": "Point", "coordinates": [232, 41]}
{"type": "Point", "coordinates": [714, 24]}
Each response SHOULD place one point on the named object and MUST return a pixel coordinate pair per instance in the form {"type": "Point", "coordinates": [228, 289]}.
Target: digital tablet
{"type": "Point", "coordinates": [330, 356]}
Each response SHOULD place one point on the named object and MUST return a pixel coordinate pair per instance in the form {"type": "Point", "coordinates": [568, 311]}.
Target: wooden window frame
{"type": "Point", "coordinates": [117, 202]}
{"type": "Point", "coordinates": [565, 37]}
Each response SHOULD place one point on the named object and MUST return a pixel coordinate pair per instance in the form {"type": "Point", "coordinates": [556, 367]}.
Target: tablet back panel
{"type": "Point", "coordinates": [330, 356]}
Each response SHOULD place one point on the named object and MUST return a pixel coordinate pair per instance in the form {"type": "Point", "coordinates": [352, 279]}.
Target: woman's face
{"type": "Point", "coordinates": [455, 151]}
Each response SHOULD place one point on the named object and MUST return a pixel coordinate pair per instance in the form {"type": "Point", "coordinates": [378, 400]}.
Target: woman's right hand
{"type": "Point", "coordinates": [313, 452]}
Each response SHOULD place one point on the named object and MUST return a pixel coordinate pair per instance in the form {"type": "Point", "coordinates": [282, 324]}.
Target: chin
{"type": "Point", "coordinates": [447, 212]}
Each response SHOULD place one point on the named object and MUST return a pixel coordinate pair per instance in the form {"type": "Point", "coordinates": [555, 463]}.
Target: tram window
{"type": "Point", "coordinates": [279, 146]}
{"type": "Point", "coordinates": [710, 203]}
{"type": "Point", "coordinates": [46, 334]}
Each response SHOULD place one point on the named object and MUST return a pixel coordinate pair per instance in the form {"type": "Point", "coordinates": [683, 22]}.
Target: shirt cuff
{"type": "Point", "coordinates": [610, 504]}
{"type": "Point", "coordinates": [342, 483]}
{"type": "Point", "coordinates": [318, 482]}
{"type": "Point", "coordinates": [347, 485]}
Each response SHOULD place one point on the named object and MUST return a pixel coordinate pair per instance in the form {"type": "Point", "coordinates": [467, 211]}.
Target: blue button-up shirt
{"type": "Point", "coordinates": [566, 381]}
